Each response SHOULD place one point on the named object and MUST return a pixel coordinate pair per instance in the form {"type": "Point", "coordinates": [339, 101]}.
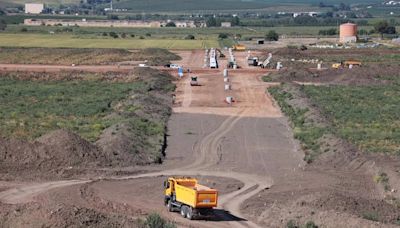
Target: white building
{"type": "Point", "coordinates": [34, 8]}
{"type": "Point", "coordinates": [226, 24]}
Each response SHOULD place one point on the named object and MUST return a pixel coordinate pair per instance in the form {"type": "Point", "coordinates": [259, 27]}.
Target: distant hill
{"type": "Point", "coordinates": [210, 5]}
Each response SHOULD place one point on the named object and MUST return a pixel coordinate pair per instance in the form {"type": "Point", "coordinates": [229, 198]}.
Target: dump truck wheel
{"type": "Point", "coordinates": [170, 206]}
{"type": "Point", "coordinates": [189, 213]}
{"type": "Point", "coordinates": [184, 211]}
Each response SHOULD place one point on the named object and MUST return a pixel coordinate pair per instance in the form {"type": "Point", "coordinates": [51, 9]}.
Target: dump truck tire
{"type": "Point", "coordinates": [184, 210]}
{"type": "Point", "coordinates": [189, 213]}
{"type": "Point", "coordinates": [170, 206]}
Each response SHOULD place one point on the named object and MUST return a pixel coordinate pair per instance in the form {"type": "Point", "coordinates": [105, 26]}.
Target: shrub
{"type": "Point", "coordinates": [223, 36]}
{"type": "Point", "coordinates": [291, 224]}
{"type": "Point", "coordinates": [170, 24]}
{"type": "Point", "coordinates": [113, 35]}
{"type": "Point", "coordinates": [272, 36]}
{"type": "Point", "coordinates": [310, 224]}
{"type": "Point", "coordinates": [24, 30]}
{"type": "Point", "coordinates": [373, 216]}
{"type": "Point", "coordinates": [156, 221]}
{"type": "Point", "coordinates": [189, 37]}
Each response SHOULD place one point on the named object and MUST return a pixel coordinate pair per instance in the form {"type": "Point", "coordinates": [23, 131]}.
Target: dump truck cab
{"type": "Point", "coordinates": [184, 194]}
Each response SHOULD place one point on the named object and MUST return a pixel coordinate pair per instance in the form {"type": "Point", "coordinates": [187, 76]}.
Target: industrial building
{"type": "Point", "coordinates": [348, 33]}
{"type": "Point", "coordinates": [34, 8]}
{"type": "Point", "coordinates": [111, 23]}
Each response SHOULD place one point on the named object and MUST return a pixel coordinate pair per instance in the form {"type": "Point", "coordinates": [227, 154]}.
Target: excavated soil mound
{"type": "Point", "coordinates": [56, 150]}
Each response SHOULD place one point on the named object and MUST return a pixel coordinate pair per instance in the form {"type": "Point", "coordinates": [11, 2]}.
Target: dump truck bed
{"type": "Point", "coordinates": [196, 195]}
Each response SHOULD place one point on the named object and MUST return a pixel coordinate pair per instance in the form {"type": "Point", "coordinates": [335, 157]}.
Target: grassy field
{"type": "Point", "coordinates": [70, 41]}
{"type": "Point", "coordinates": [367, 116]}
{"type": "Point", "coordinates": [68, 56]}
{"type": "Point", "coordinates": [29, 109]}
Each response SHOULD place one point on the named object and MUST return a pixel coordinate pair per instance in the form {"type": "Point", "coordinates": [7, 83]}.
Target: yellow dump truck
{"type": "Point", "coordinates": [189, 198]}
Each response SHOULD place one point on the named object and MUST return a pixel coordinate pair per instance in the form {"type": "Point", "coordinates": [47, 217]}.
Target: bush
{"type": "Point", "coordinates": [104, 34]}
{"type": "Point", "coordinates": [291, 224]}
{"type": "Point", "coordinates": [170, 24]}
{"type": "Point", "coordinates": [148, 34]}
{"type": "Point", "coordinates": [156, 221]}
{"type": "Point", "coordinates": [123, 35]}
{"type": "Point", "coordinates": [24, 30]}
{"type": "Point", "coordinates": [373, 216]}
{"type": "Point", "coordinates": [190, 37]}
{"type": "Point", "coordinates": [113, 35]}
{"type": "Point", "coordinates": [328, 32]}
{"type": "Point", "coordinates": [310, 224]}
{"type": "Point", "coordinates": [132, 35]}
{"type": "Point", "coordinates": [223, 36]}
{"type": "Point", "coordinates": [272, 36]}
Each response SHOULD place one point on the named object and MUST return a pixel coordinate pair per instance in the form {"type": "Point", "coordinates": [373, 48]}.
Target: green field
{"type": "Point", "coordinates": [71, 41]}
{"type": "Point", "coordinates": [367, 116]}
{"type": "Point", "coordinates": [84, 56]}
{"type": "Point", "coordinates": [29, 109]}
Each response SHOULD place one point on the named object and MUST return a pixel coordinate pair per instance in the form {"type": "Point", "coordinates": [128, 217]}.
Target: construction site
{"type": "Point", "coordinates": [227, 139]}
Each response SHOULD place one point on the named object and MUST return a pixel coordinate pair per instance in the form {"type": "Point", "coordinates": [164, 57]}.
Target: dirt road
{"type": "Point", "coordinates": [248, 141]}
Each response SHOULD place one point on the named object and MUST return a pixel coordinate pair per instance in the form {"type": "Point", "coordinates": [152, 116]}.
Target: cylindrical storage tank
{"type": "Point", "coordinates": [227, 87]}
{"type": "Point", "coordinates": [348, 32]}
{"type": "Point", "coordinates": [226, 79]}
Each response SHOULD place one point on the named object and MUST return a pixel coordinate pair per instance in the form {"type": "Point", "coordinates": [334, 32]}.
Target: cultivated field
{"type": "Point", "coordinates": [70, 41]}
{"type": "Point", "coordinates": [84, 56]}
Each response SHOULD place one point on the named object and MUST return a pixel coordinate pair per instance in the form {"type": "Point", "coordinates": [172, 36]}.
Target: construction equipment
{"type": "Point", "coordinates": [352, 62]}
{"type": "Point", "coordinates": [194, 82]}
{"type": "Point", "coordinates": [252, 61]}
{"type": "Point", "coordinates": [266, 61]}
{"type": "Point", "coordinates": [189, 197]}
{"type": "Point", "coordinates": [239, 47]}
{"type": "Point", "coordinates": [348, 63]}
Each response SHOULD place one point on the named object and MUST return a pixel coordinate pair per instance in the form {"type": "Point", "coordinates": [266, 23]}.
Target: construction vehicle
{"type": "Point", "coordinates": [266, 61]}
{"type": "Point", "coordinates": [347, 63]}
{"type": "Point", "coordinates": [189, 198]}
{"type": "Point", "coordinates": [194, 82]}
{"type": "Point", "coordinates": [252, 61]}
{"type": "Point", "coordinates": [239, 47]}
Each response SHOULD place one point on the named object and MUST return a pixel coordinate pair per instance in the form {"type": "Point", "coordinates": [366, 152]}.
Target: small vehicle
{"type": "Point", "coordinates": [174, 66]}
{"type": "Point", "coordinates": [188, 197]}
{"type": "Point", "coordinates": [194, 81]}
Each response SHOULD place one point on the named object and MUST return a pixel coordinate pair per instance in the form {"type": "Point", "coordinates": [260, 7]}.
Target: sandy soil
{"type": "Point", "coordinates": [246, 150]}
